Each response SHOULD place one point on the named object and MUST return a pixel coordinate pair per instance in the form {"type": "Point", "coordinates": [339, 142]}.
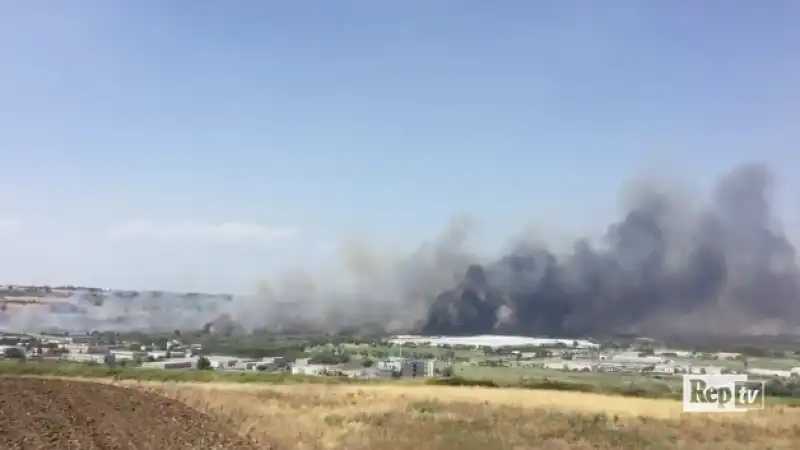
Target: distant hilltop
{"type": "Point", "coordinates": [11, 293]}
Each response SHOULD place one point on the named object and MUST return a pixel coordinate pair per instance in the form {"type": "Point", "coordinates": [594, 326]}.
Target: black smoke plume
{"type": "Point", "coordinates": [669, 266]}
{"type": "Point", "coordinates": [727, 268]}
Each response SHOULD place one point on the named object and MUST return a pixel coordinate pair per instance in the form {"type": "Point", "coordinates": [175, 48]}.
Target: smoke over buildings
{"type": "Point", "coordinates": [720, 265]}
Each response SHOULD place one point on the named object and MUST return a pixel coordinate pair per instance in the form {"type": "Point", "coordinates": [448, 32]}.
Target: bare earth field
{"type": "Point", "coordinates": [39, 414]}
{"type": "Point", "coordinates": [67, 414]}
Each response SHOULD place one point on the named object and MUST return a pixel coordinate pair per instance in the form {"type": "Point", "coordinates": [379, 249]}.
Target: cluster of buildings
{"type": "Point", "coordinates": [666, 363]}
{"type": "Point", "coordinates": [577, 356]}
{"type": "Point", "coordinates": [85, 348]}
{"type": "Point", "coordinates": [14, 343]}
{"type": "Point", "coordinates": [630, 362]}
{"type": "Point", "coordinates": [177, 356]}
{"type": "Point", "coordinates": [217, 362]}
{"type": "Point", "coordinates": [586, 356]}
{"type": "Point", "coordinates": [393, 367]}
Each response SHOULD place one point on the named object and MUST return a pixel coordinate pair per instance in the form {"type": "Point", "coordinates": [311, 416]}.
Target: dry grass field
{"type": "Point", "coordinates": [299, 416]}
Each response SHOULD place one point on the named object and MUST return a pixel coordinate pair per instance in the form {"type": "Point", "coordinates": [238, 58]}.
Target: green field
{"type": "Point", "coordinates": [753, 362]}
{"type": "Point", "coordinates": [602, 381]}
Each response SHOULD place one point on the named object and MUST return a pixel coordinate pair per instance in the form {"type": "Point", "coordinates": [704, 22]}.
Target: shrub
{"type": "Point", "coordinates": [203, 363]}
{"type": "Point", "coordinates": [458, 381]}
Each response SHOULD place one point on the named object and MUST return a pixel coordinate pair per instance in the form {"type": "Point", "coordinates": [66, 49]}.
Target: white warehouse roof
{"type": "Point", "coordinates": [489, 341]}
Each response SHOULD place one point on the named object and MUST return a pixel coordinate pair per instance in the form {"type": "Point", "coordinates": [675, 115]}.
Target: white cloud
{"type": "Point", "coordinates": [225, 232]}
{"type": "Point", "coordinates": [8, 225]}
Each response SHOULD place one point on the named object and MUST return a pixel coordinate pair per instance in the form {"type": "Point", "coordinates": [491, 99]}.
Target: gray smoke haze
{"type": "Point", "coordinates": [673, 263]}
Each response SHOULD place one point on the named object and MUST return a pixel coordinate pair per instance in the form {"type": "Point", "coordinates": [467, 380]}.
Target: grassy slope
{"type": "Point", "coordinates": [400, 417]}
{"type": "Point", "coordinates": [330, 413]}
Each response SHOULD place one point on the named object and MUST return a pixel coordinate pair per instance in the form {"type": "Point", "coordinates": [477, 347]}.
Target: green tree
{"type": "Point", "coordinates": [203, 363]}
{"type": "Point", "coordinates": [328, 358]}
{"type": "Point", "coordinates": [14, 353]}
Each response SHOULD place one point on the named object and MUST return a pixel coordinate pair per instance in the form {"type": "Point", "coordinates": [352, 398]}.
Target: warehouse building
{"type": "Point", "coordinates": [178, 363]}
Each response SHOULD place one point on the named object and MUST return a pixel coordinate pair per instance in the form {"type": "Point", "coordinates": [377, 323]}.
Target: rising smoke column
{"type": "Point", "coordinates": [668, 266]}
{"type": "Point", "coordinates": [727, 268]}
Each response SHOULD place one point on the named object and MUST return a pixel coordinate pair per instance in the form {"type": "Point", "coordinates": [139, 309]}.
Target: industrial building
{"type": "Point", "coordinates": [309, 369]}
{"type": "Point", "coordinates": [4, 349]}
{"type": "Point", "coordinates": [85, 357]}
{"type": "Point", "coordinates": [634, 358]}
{"type": "Point", "coordinates": [394, 366]}
{"type": "Point", "coordinates": [74, 339]}
{"type": "Point", "coordinates": [221, 362]}
{"type": "Point", "coordinates": [265, 364]}
{"type": "Point", "coordinates": [569, 365]}
{"type": "Point", "coordinates": [492, 341]}
{"type": "Point", "coordinates": [127, 355]}
{"type": "Point", "coordinates": [179, 363]}
{"type": "Point", "coordinates": [408, 367]}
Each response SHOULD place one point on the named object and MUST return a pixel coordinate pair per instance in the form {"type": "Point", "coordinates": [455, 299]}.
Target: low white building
{"type": "Point", "coordinates": [85, 357]}
{"type": "Point", "coordinates": [670, 352]}
{"type": "Point", "coordinates": [221, 362]}
{"type": "Point", "coordinates": [579, 366]}
{"type": "Point", "coordinates": [309, 369]}
{"type": "Point", "coordinates": [180, 363]}
{"type": "Point", "coordinates": [666, 369]}
{"type": "Point", "coordinates": [353, 373]}
{"type": "Point", "coordinates": [554, 365]}
{"type": "Point", "coordinates": [74, 339]}
{"type": "Point", "coordinates": [770, 372]}
{"type": "Point", "coordinates": [127, 355]}
{"type": "Point", "coordinates": [244, 366]}
{"type": "Point", "coordinates": [633, 357]}
{"type": "Point", "coordinates": [269, 364]}
{"type": "Point", "coordinates": [394, 363]}
{"type": "Point", "coordinates": [157, 354]}
{"type": "Point", "coordinates": [430, 368]}
{"type": "Point", "coordinates": [75, 348]}
{"type": "Point", "coordinates": [576, 366]}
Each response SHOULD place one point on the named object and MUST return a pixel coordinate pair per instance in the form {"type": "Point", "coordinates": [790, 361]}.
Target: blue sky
{"type": "Point", "coordinates": [202, 145]}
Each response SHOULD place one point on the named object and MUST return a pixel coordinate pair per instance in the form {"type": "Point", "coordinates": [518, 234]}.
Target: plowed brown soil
{"type": "Point", "coordinates": [39, 414]}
